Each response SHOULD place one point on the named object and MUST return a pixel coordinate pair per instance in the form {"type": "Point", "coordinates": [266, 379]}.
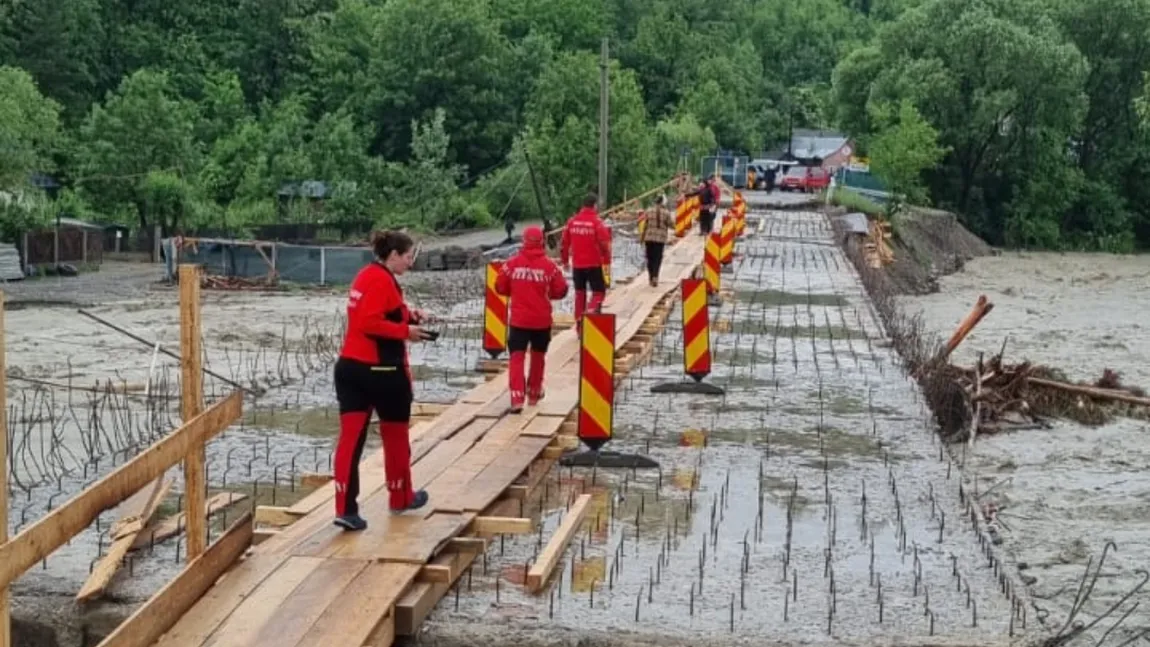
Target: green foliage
{"type": "Point", "coordinates": [1027, 116]}
{"type": "Point", "coordinates": [904, 146]}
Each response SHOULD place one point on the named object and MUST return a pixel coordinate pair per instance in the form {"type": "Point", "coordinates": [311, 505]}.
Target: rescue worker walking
{"type": "Point", "coordinates": [708, 193]}
{"type": "Point", "coordinates": [532, 281]}
{"type": "Point", "coordinates": [655, 236]}
{"type": "Point", "coordinates": [373, 374]}
{"type": "Point", "coordinates": [586, 248]}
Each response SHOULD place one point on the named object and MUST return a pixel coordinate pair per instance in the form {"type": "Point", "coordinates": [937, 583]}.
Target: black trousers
{"type": "Point", "coordinates": [589, 277]}
{"type": "Point", "coordinates": [706, 219]}
{"type": "Point", "coordinates": [654, 258]}
{"type": "Point", "coordinates": [383, 389]}
{"type": "Point", "coordinates": [519, 339]}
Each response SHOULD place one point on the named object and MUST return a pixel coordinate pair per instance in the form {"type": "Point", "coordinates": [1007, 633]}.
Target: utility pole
{"type": "Point", "coordinates": [604, 101]}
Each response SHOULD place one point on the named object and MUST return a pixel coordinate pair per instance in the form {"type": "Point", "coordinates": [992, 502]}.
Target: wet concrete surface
{"type": "Point", "coordinates": [1064, 492]}
{"type": "Point", "coordinates": [810, 504]}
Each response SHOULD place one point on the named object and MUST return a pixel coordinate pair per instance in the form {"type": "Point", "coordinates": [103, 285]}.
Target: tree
{"type": "Point", "coordinates": [563, 131]}
{"type": "Point", "coordinates": [29, 127]}
{"type": "Point", "coordinates": [1002, 87]}
{"type": "Point", "coordinates": [904, 147]}
{"type": "Point", "coordinates": [142, 129]}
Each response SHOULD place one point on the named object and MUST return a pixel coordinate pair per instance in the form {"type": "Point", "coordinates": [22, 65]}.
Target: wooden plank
{"type": "Point", "coordinates": [171, 526]}
{"type": "Point", "coordinates": [292, 619]}
{"type": "Point", "coordinates": [384, 634]}
{"type": "Point", "coordinates": [260, 535]}
{"type": "Point", "coordinates": [220, 601]}
{"type": "Point", "coordinates": [442, 489]}
{"type": "Point", "coordinates": [544, 565]}
{"type": "Point", "coordinates": [247, 620]}
{"type": "Point", "coordinates": [449, 451]}
{"type": "Point", "coordinates": [389, 537]}
{"type": "Point", "coordinates": [371, 476]}
{"type": "Point", "coordinates": [467, 544]}
{"type": "Point", "coordinates": [274, 516]}
{"type": "Point", "coordinates": [191, 405]}
{"type": "Point", "coordinates": [501, 526]}
{"type": "Point", "coordinates": [488, 485]}
{"type": "Point", "coordinates": [38, 540]}
{"type": "Point", "coordinates": [315, 480]}
{"type": "Point", "coordinates": [136, 511]}
{"type": "Point", "coordinates": [363, 608]}
{"type": "Point", "coordinates": [165, 608]}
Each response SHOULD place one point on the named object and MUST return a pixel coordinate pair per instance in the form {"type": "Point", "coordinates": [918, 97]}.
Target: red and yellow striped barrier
{"type": "Point", "coordinates": [683, 216]}
{"type": "Point", "coordinates": [596, 379]}
{"type": "Point", "coordinates": [727, 238]}
{"type": "Point", "coordinates": [711, 262]}
{"type": "Point", "coordinates": [642, 227]}
{"type": "Point", "coordinates": [494, 314]}
{"type": "Point", "coordinates": [740, 209]}
{"type": "Point", "coordinates": [696, 329]}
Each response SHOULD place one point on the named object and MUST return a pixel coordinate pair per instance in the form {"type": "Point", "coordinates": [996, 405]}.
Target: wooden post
{"type": "Point", "coordinates": [5, 621]}
{"type": "Point", "coordinates": [192, 403]}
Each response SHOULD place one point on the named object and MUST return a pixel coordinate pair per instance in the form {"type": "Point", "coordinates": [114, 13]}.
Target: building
{"type": "Point", "coordinates": [827, 148]}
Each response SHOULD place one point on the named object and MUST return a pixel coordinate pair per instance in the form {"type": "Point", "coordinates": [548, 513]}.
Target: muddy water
{"type": "Point", "coordinates": [1065, 492]}
{"type": "Point", "coordinates": [800, 506]}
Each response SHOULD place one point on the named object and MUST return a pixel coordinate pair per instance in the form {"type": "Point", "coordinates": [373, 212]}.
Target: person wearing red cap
{"type": "Point", "coordinates": [586, 248]}
{"type": "Point", "coordinates": [532, 281]}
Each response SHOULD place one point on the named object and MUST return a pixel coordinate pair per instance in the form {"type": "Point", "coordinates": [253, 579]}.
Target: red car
{"type": "Point", "coordinates": [808, 179]}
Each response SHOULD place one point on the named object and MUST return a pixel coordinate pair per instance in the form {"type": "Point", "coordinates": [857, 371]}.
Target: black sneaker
{"type": "Point", "coordinates": [351, 522]}
{"type": "Point", "coordinates": [417, 502]}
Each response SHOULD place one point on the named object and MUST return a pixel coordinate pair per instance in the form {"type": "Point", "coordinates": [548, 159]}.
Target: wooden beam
{"type": "Point", "coordinates": [164, 609]}
{"type": "Point", "coordinates": [315, 480]}
{"type": "Point", "coordinates": [275, 516]}
{"type": "Point", "coordinates": [553, 551]}
{"type": "Point", "coordinates": [191, 404]}
{"type": "Point", "coordinates": [436, 573]}
{"type": "Point", "coordinates": [175, 524]}
{"type": "Point", "coordinates": [134, 514]}
{"type": "Point", "coordinates": [5, 620]}
{"type": "Point", "coordinates": [467, 544]}
{"type": "Point", "coordinates": [38, 540]}
{"type": "Point", "coordinates": [501, 526]}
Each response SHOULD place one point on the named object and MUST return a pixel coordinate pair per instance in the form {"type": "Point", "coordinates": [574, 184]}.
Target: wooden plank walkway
{"type": "Point", "coordinates": [313, 584]}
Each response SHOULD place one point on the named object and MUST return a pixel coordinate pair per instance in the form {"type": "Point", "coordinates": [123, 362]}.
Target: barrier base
{"type": "Point", "coordinates": [608, 460]}
{"type": "Point", "coordinates": [698, 388]}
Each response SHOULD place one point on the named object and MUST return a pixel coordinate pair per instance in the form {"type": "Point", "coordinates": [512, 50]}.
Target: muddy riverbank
{"type": "Point", "coordinates": [1067, 491]}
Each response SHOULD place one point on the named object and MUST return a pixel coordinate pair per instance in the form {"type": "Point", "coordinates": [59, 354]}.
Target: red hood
{"type": "Point", "coordinates": [533, 242]}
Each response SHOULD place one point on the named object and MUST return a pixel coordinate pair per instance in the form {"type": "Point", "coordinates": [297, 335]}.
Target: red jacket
{"type": "Point", "coordinates": [532, 281]}
{"type": "Point", "coordinates": [586, 240]}
{"type": "Point", "coordinates": [377, 319]}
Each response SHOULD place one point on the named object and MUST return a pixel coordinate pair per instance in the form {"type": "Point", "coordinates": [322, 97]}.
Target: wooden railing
{"type": "Point", "coordinates": [184, 445]}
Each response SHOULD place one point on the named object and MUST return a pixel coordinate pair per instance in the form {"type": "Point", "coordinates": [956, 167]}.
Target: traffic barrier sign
{"type": "Point", "coordinates": [596, 379]}
{"type": "Point", "coordinates": [494, 314]}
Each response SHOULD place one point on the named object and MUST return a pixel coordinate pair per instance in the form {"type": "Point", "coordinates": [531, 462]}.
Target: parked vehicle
{"type": "Point", "coordinates": [807, 179]}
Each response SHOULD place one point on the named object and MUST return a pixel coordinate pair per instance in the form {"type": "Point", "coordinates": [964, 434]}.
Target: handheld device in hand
{"type": "Point", "coordinates": [432, 335]}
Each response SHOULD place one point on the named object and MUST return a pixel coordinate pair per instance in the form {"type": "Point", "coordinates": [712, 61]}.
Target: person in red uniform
{"type": "Point", "coordinates": [586, 248]}
{"type": "Point", "coordinates": [373, 374]}
{"type": "Point", "coordinates": [532, 281]}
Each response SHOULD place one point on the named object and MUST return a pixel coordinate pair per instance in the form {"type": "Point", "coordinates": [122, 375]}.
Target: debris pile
{"type": "Point", "coordinates": [995, 396]}
{"type": "Point", "coordinates": [220, 282]}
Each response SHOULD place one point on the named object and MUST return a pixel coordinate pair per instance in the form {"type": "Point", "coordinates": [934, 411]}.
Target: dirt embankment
{"type": "Point", "coordinates": [927, 244]}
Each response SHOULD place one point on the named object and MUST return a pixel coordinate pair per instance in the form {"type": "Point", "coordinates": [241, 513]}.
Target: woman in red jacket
{"type": "Point", "coordinates": [372, 374]}
{"type": "Point", "coordinates": [532, 281]}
